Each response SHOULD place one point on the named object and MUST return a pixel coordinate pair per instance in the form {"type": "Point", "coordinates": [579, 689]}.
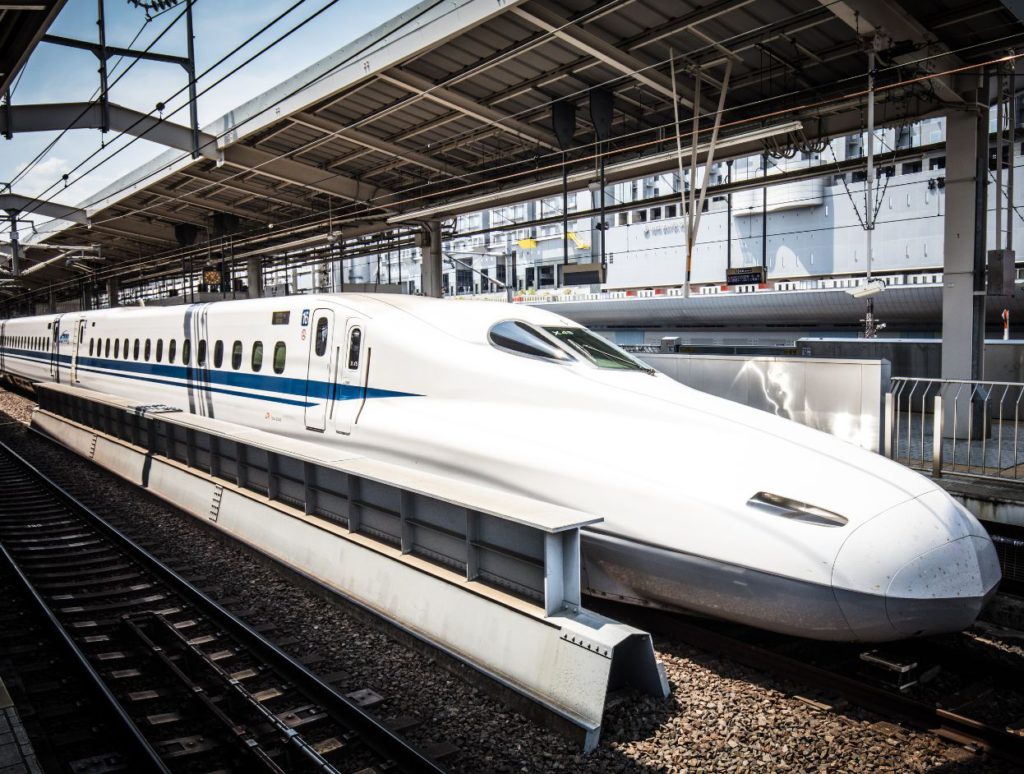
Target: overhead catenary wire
{"type": "Point", "coordinates": [528, 44]}
{"type": "Point", "coordinates": [535, 170]}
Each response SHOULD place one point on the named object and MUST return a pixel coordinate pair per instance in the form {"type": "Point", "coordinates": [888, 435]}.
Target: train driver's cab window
{"type": "Point", "coordinates": [279, 357]}
{"type": "Point", "coordinates": [321, 336]}
{"type": "Point", "coordinates": [236, 355]}
{"type": "Point", "coordinates": [521, 338]}
{"type": "Point", "coordinates": [218, 353]}
{"type": "Point", "coordinates": [257, 356]}
{"type": "Point", "coordinates": [597, 350]}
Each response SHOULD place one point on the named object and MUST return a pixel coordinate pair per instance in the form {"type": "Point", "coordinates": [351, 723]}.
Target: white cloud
{"type": "Point", "coordinates": [42, 175]}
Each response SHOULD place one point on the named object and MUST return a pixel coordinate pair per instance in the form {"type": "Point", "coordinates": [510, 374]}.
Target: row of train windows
{"type": "Point", "coordinates": [145, 348]}
{"type": "Point", "coordinates": [41, 343]}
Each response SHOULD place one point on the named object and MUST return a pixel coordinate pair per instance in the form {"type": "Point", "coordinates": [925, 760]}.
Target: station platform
{"type": "Point", "coordinates": [16, 753]}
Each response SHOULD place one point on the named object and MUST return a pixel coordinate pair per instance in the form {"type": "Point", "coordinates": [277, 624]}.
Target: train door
{"type": "Point", "coordinates": [77, 343]}
{"type": "Point", "coordinates": [319, 371]}
{"type": "Point", "coordinates": [350, 389]}
{"type": "Point", "coordinates": [200, 397]}
{"type": "Point", "coordinates": [55, 350]}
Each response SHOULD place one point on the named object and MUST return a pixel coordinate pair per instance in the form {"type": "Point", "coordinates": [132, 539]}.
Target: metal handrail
{"type": "Point", "coordinates": [970, 429]}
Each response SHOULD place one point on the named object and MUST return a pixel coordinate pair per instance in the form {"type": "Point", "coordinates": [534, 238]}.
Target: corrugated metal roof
{"type": "Point", "coordinates": [452, 101]}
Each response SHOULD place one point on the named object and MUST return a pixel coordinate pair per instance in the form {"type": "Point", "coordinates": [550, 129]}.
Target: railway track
{"type": "Point", "coordinates": [892, 682]}
{"type": "Point", "coordinates": [178, 682]}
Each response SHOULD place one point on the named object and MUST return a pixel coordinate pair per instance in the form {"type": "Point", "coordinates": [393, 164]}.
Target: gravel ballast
{"type": "Point", "coordinates": [720, 716]}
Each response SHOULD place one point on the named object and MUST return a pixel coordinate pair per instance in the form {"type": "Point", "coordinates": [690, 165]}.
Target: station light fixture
{"type": "Point", "coordinates": [867, 290]}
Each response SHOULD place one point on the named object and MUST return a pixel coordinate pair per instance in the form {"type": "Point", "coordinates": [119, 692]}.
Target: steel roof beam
{"type": "Point", "coordinates": [88, 115]}
{"type": "Point", "coordinates": [26, 204]}
{"type": "Point", "coordinates": [358, 137]}
{"type": "Point", "coordinates": [234, 184]}
{"type": "Point", "coordinates": [291, 171]}
{"type": "Point", "coordinates": [542, 17]}
{"type": "Point", "coordinates": [196, 200]}
{"type": "Point", "coordinates": [452, 100]}
{"type": "Point", "coordinates": [158, 233]}
{"type": "Point", "coordinates": [892, 21]}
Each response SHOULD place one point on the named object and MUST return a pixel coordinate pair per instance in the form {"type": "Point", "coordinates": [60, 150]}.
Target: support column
{"type": "Point", "coordinates": [112, 292]}
{"type": "Point", "coordinates": [430, 279]}
{"type": "Point", "coordinates": [51, 302]}
{"type": "Point", "coordinates": [963, 285]}
{"type": "Point", "coordinates": [254, 277]}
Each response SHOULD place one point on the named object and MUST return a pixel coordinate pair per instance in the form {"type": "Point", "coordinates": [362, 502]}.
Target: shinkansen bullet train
{"type": "Point", "coordinates": [708, 506]}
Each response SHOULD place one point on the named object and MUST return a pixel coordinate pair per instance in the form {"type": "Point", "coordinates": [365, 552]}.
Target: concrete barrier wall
{"type": "Point", "coordinates": [839, 396]}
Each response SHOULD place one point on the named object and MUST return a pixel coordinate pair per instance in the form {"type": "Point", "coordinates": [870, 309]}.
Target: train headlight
{"type": "Point", "coordinates": [788, 508]}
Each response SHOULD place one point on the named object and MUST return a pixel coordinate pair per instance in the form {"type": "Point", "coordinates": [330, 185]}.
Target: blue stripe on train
{"type": "Point", "coordinates": [205, 379]}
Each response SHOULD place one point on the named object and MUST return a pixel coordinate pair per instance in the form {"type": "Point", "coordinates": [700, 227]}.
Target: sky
{"type": "Point", "coordinates": [56, 74]}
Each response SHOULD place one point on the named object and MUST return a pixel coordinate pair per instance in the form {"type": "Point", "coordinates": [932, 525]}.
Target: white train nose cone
{"type": "Point", "coordinates": [923, 567]}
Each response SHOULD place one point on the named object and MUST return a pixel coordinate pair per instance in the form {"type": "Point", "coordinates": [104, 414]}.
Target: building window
{"type": "Point", "coordinates": [257, 356]}
{"type": "Point", "coordinates": [236, 355]}
{"type": "Point", "coordinates": [911, 167]}
{"type": "Point", "coordinates": [279, 357]}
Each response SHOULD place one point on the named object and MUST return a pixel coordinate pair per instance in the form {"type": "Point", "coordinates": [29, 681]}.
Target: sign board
{"type": "Point", "coordinates": [745, 275]}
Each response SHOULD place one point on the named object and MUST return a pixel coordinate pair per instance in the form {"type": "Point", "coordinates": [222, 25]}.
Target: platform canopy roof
{"type": "Point", "coordinates": [22, 25]}
{"type": "Point", "coordinates": [448, 108]}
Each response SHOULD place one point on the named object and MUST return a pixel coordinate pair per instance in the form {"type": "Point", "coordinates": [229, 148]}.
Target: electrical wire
{"type": "Point", "coordinates": [28, 168]}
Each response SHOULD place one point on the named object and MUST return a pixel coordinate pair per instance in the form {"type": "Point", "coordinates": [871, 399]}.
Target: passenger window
{"type": "Point", "coordinates": [186, 352]}
{"type": "Point", "coordinates": [201, 353]}
{"type": "Point", "coordinates": [172, 349]}
{"type": "Point", "coordinates": [159, 350]}
{"type": "Point", "coordinates": [106, 348]}
{"type": "Point", "coordinates": [125, 350]}
{"type": "Point", "coordinates": [321, 336]}
{"type": "Point", "coordinates": [117, 348]}
{"type": "Point", "coordinates": [355, 340]}
{"type": "Point", "coordinates": [218, 354]}
{"type": "Point", "coordinates": [148, 350]}
{"type": "Point", "coordinates": [257, 356]}
{"type": "Point", "coordinates": [91, 345]}
{"type": "Point", "coordinates": [279, 357]}
{"type": "Point", "coordinates": [236, 355]}
{"type": "Point", "coordinates": [135, 352]}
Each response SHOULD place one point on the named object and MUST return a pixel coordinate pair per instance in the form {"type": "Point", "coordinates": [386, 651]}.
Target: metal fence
{"type": "Point", "coordinates": [971, 428]}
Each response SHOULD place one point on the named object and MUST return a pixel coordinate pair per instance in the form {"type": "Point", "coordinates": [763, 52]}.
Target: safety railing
{"type": "Point", "coordinates": [966, 427]}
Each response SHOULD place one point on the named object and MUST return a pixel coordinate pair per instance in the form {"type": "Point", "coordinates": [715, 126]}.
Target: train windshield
{"type": "Point", "coordinates": [523, 339]}
{"type": "Point", "coordinates": [598, 351]}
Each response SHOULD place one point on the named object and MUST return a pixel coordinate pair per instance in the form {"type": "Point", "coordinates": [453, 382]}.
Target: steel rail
{"type": "Point", "coordinates": [383, 741]}
{"type": "Point", "coordinates": [944, 723]}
